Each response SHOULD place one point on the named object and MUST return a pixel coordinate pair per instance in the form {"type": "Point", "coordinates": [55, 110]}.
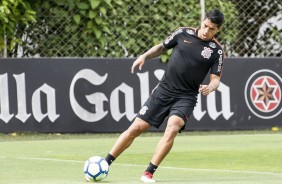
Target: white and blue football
{"type": "Point", "coordinates": [96, 168]}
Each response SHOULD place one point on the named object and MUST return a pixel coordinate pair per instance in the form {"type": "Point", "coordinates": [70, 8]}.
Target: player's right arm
{"type": "Point", "coordinates": [157, 50]}
{"type": "Point", "coordinates": [153, 52]}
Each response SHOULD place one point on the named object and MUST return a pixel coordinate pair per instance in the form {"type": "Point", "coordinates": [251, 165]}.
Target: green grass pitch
{"type": "Point", "coordinates": [246, 157]}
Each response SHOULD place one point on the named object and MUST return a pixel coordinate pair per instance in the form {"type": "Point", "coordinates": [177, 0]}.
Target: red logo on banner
{"type": "Point", "coordinates": [263, 94]}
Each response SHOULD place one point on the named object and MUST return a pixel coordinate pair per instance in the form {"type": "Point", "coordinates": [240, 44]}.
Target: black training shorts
{"type": "Point", "coordinates": [161, 105]}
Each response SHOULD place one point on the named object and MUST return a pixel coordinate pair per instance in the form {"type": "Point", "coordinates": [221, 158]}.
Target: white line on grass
{"type": "Point", "coordinates": [162, 167]}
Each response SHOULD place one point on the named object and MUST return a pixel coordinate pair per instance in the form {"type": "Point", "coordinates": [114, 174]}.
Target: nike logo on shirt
{"type": "Point", "coordinates": [186, 41]}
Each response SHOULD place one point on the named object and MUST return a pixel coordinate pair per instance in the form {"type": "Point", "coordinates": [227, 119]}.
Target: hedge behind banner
{"type": "Point", "coordinates": [101, 95]}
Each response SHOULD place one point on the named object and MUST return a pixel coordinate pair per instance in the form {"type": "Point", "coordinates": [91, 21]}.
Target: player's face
{"type": "Point", "coordinates": [208, 29]}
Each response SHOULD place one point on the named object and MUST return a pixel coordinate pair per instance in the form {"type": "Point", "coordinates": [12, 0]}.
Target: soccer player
{"type": "Point", "coordinates": [195, 53]}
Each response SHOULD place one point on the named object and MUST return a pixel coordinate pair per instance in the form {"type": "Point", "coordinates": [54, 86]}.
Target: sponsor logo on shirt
{"type": "Point", "coordinates": [190, 31]}
{"type": "Point", "coordinates": [168, 39]}
{"type": "Point", "coordinates": [220, 61]}
{"type": "Point", "coordinates": [212, 45]}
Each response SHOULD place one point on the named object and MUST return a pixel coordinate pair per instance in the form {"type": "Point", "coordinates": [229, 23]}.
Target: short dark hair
{"type": "Point", "coordinates": [216, 17]}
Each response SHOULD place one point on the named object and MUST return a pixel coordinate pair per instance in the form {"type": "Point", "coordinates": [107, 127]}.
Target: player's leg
{"type": "Point", "coordinates": [164, 146]}
{"type": "Point", "coordinates": [174, 124]}
{"type": "Point", "coordinates": [126, 138]}
{"type": "Point", "coordinates": [152, 113]}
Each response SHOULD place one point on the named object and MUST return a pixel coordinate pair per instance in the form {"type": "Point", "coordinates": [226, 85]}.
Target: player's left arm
{"type": "Point", "coordinates": [212, 86]}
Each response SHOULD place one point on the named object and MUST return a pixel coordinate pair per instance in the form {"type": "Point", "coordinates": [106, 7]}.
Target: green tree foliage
{"type": "Point", "coordinates": [76, 28]}
{"type": "Point", "coordinates": [15, 15]}
{"type": "Point", "coordinates": [127, 28]}
{"type": "Point", "coordinates": [112, 28]}
{"type": "Point", "coordinates": [254, 41]}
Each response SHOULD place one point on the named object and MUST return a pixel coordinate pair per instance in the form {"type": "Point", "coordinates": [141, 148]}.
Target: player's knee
{"type": "Point", "coordinates": [172, 130]}
{"type": "Point", "coordinates": [134, 132]}
{"type": "Point", "coordinates": [170, 133]}
{"type": "Point", "coordinates": [175, 123]}
{"type": "Point", "coordinates": [136, 129]}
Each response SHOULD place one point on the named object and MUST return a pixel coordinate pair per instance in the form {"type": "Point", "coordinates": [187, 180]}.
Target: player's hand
{"type": "Point", "coordinates": [204, 89]}
{"type": "Point", "coordinates": [139, 61]}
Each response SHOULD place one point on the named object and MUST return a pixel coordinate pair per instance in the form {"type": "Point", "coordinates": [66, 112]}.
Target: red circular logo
{"type": "Point", "coordinates": [263, 94]}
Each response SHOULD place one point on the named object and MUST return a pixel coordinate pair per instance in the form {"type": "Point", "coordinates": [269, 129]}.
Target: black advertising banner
{"type": "Point", "coordinates": [101, 95]}
{"type": "Point", "coordinates": [249, 97]}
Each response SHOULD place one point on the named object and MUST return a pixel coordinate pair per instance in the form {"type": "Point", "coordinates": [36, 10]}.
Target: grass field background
{"type": "Point", "coordinates": [248, 157]}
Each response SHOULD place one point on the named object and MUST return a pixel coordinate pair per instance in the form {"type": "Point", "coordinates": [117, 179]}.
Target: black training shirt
{"type": "Point", "coordinates": [190, 61]}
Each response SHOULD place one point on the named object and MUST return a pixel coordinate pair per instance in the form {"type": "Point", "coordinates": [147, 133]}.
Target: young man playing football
{"type": "Point", "coordinates": [195, 53]}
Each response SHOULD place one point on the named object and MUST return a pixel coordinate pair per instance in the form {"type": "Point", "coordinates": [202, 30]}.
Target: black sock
{"type": "Point", "coordinates": [110, 158]}
{"type": "Point", "coordinates": [151, 168]}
